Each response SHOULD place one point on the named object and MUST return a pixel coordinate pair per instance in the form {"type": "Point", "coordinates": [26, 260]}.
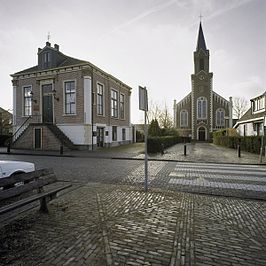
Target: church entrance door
{"type": "Point", "coordinates": [201, 134]}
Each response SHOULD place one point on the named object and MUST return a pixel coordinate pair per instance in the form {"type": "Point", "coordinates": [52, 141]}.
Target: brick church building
{"type": "Point", "coordinates": [202, 111]}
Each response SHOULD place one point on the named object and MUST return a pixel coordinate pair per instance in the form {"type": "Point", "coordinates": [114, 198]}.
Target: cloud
{"type": "Point", "coordinates": [140, 16]}
{"type": "Point", "coordinates": [250, 87]}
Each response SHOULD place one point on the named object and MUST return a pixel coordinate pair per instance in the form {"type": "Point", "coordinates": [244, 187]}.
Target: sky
{"type": "Point", "coordinates": [142, 42]}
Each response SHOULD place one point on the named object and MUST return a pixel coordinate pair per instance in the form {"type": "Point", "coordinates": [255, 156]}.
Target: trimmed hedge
{"type": "Point", "coordinates": [249, 143]}
{"type": "Point", "coordinates": [158, 144]}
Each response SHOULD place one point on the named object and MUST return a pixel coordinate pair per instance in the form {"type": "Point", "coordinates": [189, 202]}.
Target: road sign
{"type": "Point", "coordinates": [143, 99]}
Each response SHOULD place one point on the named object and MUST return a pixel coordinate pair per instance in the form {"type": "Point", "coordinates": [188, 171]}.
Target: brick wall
{"type": "Point", "coordinates": [49, 141]}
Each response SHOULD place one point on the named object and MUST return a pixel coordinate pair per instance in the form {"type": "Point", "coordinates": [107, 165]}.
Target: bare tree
{"type": "Point", "coordinates": [161, 114]}
{"type": "Point", "coordinates": [165, 119]}
{"type": "Point", "coordinates": [154, 111]}
{"type": "Point", "coordinates": [240, 106]}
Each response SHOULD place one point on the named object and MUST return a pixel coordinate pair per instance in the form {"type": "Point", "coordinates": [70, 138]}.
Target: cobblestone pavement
{"type": "Point", "coordinates": [243, 181]}
{"type": "Point", "coordinates": [193, 214]}
{"type": "Point", "coordinates": [111, 225]}
{"type": "Point", "coordinates": [206, 152]}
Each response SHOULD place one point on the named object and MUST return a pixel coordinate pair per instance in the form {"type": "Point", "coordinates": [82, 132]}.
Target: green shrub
{"type": "Point", "coordinates": [158, 144]}
{"type": "Point", "coordinates": [249, 143]}
{"type": "Point", "coordinates": [154, 128]}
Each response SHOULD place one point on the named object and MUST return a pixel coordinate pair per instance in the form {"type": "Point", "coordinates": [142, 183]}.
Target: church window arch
{"type": "Point", "coordinates": [220, 121]}
{"type": "Point", "coordinates": [202, 108]}
{"type": "Point", "coordinates": [201, 62]}
{"type": "Point", "coordinates": [183, 118]}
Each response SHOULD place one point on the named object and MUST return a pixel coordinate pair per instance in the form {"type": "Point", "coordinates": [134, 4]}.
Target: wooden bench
{"type": "Point", "coordinates": [24, 186]}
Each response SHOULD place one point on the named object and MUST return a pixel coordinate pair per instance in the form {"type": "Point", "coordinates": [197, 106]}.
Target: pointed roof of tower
{"type": "Point", "coordinates": [201, 41]}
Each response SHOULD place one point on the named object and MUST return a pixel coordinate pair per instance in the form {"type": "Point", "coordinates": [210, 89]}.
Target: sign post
{"type": "Point", "coordinates": [143, 105]}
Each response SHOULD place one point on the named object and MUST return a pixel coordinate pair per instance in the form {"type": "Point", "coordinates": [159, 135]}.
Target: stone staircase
{"type": "Point", "coordinates": [58, 133]}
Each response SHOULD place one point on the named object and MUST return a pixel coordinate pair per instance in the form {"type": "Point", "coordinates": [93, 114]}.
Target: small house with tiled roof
{"type": "Point", "coordinates": [70, 103]}
{"type": "Point", "coordinates": [202, 111]}
{"type": "Point", "coordinates": [5, 122]}
{"type": "Point", "coordinates": [253, 122]}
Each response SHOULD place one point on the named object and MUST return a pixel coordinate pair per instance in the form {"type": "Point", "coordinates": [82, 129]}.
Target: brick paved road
{"type": "Point", "coordinates": [109, 220]}
{"type": "Point", "coordinates": [111, 225]}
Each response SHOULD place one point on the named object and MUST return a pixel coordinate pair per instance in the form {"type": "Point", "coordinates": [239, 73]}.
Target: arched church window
{"type": "Point", "coordinates": [183, 118]}
{"type": "Point", "coordinates": [202, 108]}
{"type": "Point", "coordinates": [220, 117]}
{"type": "Point", "coordinates": [201, 64]}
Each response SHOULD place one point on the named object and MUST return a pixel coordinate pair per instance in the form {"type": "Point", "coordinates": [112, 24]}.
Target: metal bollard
{"type": "Point", "coordinates": [162, 149]}
{"type": "Point", "coordinates": [61, 149]}
{"type": "Point", "coordinates": [239, 151]}
{"type": "Point", "coordinates": [185, 149]}
{"type": "Point", "coordinates": [8, 148]}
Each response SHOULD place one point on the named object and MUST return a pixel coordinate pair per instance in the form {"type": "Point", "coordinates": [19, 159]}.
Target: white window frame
{"type": "Point", "coordinates": [115, 115]}
{"type": "Point", "coordinates": [23, 100]}
{"type": "Point", "coordinates": [258, 105]}
{"type": "Point", "coordinates": [65, 98]}
{"type": "Point", "coordinates": [200, 109]}
{"type": "Point", "coordinates": [120, 109]}
{"type": "Point", "coordinates": [182, 114]}
{"type": "Point", "coordinates": [47, 57]}
{"type": "Point", "coordinates": [97, 99]}
{"type": "Point", "coordinates": [219, 121]}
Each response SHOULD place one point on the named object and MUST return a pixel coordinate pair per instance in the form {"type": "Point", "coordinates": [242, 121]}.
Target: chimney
{"type": "Point", "coordinates": [48, 44]}
{"type": "Point", "coordinates": [56, 46]}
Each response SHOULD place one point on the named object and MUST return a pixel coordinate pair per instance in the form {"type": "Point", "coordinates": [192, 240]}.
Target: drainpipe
{"type": "Point", "coordinates": [92, 103]}
{"type": "Point", "coordinates": [230, 112]}
{"type": "Point", "coordinates": [175, 114]}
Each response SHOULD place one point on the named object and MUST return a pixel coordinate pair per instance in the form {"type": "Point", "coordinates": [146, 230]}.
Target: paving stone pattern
{"type": "Point", "coordinates": [111, 225]}
{"type": "Point", "coordinates": [244, 181]}
{"type": "Point", "coordinates": [193, 214]}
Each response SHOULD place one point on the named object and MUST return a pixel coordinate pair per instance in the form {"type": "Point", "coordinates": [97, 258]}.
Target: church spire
{"type": "Point", "coordinates": [201, 41]}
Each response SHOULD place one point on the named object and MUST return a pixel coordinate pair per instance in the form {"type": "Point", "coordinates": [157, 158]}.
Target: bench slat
{"type": "Point", "coordinates": [7, 181]}
{"type": "Point", "coordinates": [31, 199]}
{"type": "Point", "coordinates": [16, 191]}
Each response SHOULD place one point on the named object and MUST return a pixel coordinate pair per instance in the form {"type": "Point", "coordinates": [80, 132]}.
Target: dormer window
{"type": "Point", "coordinates": [46, 59]}
{"type": "Point", "coordinates": [258, 105]}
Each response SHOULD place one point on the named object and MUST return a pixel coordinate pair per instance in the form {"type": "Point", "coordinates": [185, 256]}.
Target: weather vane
{"type": "Point", "coordinates": [200, 16]}
{"type": "Point", "coordinates": [48, 36]}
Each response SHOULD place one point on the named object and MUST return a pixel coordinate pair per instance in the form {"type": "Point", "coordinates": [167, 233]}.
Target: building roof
{"type": "Point", "coordinates": [263, 94]}
{"type": "Point", "coordinates": [2, 110]}
{"type": "Point", "coordinates": [64, 61]}
{"type": "Point", "coordinates": [249, 116]}
{"type": "Point", "coordinates": [189, 95]}
{"type": "Point", "coordinates": [68, 61]}
{"type": "Point", "coordinates": [201, 41]}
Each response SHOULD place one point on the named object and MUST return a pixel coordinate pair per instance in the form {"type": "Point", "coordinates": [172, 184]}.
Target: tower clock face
{"type": "Point", "coordinates": [201, 77]}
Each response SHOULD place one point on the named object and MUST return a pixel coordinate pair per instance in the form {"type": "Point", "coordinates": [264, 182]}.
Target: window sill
{"type": "Point", "coordinates": [69, 115]}
{"type": "Point", "coordinates": [101, 115]}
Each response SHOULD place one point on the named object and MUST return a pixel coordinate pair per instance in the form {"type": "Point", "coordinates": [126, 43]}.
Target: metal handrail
{"type": "Point", "coordinates": [18, 130]}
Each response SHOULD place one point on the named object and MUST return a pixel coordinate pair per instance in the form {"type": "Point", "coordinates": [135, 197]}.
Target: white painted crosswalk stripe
{"type": "Point", "coordinates": [238, 177]}
{"type": "Point", "coordinates": [210, 184]}
{"type": "Point", "coordinates": [220, 169]}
